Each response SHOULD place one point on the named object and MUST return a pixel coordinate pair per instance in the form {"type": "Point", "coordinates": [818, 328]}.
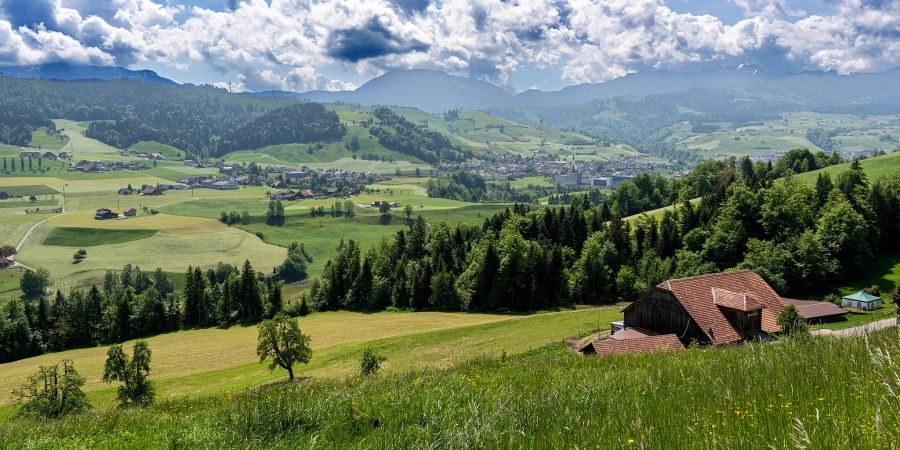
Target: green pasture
{"type": "Point", "coordinates": [40, 139]}
{"type": "Point", "coordinates": [81, 145]}
{"type": "Point", "coordinates": [90, 237]}
{"type": "Point", "coordinates": [149, 147]}
{"type": "Point", "coordinates": [804, 393]}
{"type": "Point", "coordinates": [874, 168]}
{"type": "Point", "coordinates": [214, 360]}
{"type": "Point", "coordinates": [9, 282]}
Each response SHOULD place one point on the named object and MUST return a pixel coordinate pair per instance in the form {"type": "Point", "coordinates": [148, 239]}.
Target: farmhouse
{"type": "Point", "coordinates": [104, 214]}
{"type": "Point", "coordinates": [863, 301]}
{"type": "Point", "coordinates": [157, 156]}
{"type": "Point", "coordinates": [151, 190]}
{"type": "Point", "coordinates": [717, 309]}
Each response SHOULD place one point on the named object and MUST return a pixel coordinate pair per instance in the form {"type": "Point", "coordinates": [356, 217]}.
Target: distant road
{"type": "Point", "coordinates": [862, 329]}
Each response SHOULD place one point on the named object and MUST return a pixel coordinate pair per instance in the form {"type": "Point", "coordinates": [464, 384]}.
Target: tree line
{"type": "Point", "coordinates": [132, 303]}
{"type": "Point", "coordinates": [794, 235]}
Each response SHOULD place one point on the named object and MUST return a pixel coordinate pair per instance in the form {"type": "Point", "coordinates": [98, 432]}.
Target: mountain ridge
{"type": "Point", "coordinates": [72, 72]}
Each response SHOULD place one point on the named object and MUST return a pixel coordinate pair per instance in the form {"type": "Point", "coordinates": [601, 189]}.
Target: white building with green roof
{"type": "Point", "coordinates": [861, 300]}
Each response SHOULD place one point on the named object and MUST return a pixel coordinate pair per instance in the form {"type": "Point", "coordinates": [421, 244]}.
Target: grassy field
{"type": "Point", "coordinates": [9, 282]}
{"type": "Point", "coordinates": [874, 168]}
{"type": "Point", "coordinates": [216, 360]}
{"type": "Point", "coordinates": [25, 190]}
{"type": "Point", "coordinates": [89, 237]}
{"type": "Point", "coordinates": [768, 137]}
{"type": "Point", "coordinates": [816, 393]}
{"type": "Point", "coordinates": [13, 227]}
{"type": "Point", "coordinates": [170, 242]}
{"type": "Point", "coordinates": [40, 139]}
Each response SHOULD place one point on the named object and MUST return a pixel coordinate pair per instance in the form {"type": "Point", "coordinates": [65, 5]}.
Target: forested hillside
{"type": "Point", "coordinates": [303, 122]}
{"type": "Point", "coordinates": [794, 235]}
{"type": "Point", "coordinates": [186, 117]}
{"type": "Point", "coordinates": [396, 133]}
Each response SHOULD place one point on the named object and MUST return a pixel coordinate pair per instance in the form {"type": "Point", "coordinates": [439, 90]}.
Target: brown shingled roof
{"type": "Point", "coordinates": [734, 300]}
{"type": "Point", "coordinates": [632, 333]}
{"type": "Point", "coordinates": [810, 309]}
{"type": "Point", "coordinates": [638, 344]}
{"type": "Point", "coordinates": [696, 296]}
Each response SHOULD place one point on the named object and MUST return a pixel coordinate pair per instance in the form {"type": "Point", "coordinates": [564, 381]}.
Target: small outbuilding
{"type": "Point", "coordinates": [130, 212]}
{"type": "Point", "coordinates": [862, 301]}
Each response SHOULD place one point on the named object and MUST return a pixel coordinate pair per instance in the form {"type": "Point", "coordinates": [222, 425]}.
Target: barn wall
{"type": "Point", "coordinates": [659, 312]}
{"type": "Point", "coordinates": [745, 322]}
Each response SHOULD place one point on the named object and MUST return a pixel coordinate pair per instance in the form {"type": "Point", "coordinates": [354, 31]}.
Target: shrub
{"type": "Point", "coordinates": [791, 322]}
{"type": "Point", "coordinates": [54, 391]}
{"type": "Point", "coordinates": [370, 362]}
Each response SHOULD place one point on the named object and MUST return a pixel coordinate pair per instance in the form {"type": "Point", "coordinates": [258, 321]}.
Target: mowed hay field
{"type": "Point", "coordinates": [176, 243]}
{"type": "Point", "coordinates": [219, 360]}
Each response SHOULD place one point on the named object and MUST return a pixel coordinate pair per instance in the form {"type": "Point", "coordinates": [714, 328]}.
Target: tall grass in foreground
{"type": "Point", "coordinates": [820, 393]}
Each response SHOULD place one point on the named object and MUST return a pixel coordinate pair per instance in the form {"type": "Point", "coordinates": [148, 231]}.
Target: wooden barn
{"type": "Point", "coordinates": [716, 309]}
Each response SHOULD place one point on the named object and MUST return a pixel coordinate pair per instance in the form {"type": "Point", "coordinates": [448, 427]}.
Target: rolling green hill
{"type": "Point", "coordinates": [735, 397]}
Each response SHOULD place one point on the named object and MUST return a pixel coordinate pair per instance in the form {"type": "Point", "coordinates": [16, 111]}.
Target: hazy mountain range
{"type": "Point", "coordinates": [437, 91]}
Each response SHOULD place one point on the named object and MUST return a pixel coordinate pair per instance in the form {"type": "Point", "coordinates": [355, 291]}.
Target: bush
{"type": "Point", "coordinates": [54, 391]}
{"type": "Point", "coordinates": [370, 362]}
{"type": "Point", "coordinates": [792, 323]}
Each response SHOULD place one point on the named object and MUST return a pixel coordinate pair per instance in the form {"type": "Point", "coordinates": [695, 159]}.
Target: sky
{"type": "Point", "coordinates": [301, 45]}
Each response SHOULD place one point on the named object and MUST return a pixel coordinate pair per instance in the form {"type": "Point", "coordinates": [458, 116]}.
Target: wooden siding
{"type": "Point", "coordinates": [660, 312]}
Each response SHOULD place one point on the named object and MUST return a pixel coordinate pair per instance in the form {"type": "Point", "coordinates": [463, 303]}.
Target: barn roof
{"type": "Point", "coordinates": [638, 344]}
{"type": "Point", "coordinates": [632, 333]}
{"type": "Point", "coordinates": [810, 309]}
{"type": "Point", "coordinates": [696, 296]}
{"type": "Point", "coordinates": [862, 297]}
{"type": "Point", "coordinates": [735, 300]}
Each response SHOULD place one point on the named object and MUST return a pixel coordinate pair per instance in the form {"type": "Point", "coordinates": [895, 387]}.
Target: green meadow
{"type": "Point", "coordinates": [737, 397]}
{"type": "Point", "coordinates": [89, 237]}
{"type": "Point", "coordinates": [213, 360]}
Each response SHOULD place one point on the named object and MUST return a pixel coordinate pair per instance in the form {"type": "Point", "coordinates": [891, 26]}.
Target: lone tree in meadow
{"type": "Point", "coordinates": [136, 388]}
{"type": "Point", "coordinates": [791, 322]}
{"type": "Point", "coordinates": [54, 391]}
{"type": "Point", "coordinates": [281, 341]}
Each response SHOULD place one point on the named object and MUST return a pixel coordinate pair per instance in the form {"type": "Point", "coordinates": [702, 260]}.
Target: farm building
{"type": "Point", "coordinates": [130, 212]}
{"type": "Point", "coordinates": [716, 309]}
{"type": "Point", "coordinates": [225, 185]}
{"type": "Point", "coordinates": [633, 340]}
{"type": "Point", "coordinates": [817, 312]}
{"type": "Point", "coordinates": [4, 263]}
{"type": "Point", "coordinates": [863, 301]}
{"type": "Point", "coordinates": [105, 213]}
{"type": "Point", "coordinates": [4, 195]}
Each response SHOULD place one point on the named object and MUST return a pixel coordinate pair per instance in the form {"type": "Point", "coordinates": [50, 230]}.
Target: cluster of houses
{"type": "Point", "coordinates": [713, 309]}
{"type": "Point", "coordinates": [152, 156]}
{"type": "Point", "coordinates": [93, 166]}
{"type": "Point", "coordinates": [106, 213]}
{"type": "Point", "coordinates": [37, 154]}
{"type": "Point", "coordinates": [565, 172]}
{"type": "Point", "coordinates": [307, 194]}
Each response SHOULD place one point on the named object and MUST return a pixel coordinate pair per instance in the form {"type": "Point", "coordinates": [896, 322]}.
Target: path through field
{"type": "Point", "coordinates": [862, 329]}
{"type": "Point", "coordinates": [28, 233]}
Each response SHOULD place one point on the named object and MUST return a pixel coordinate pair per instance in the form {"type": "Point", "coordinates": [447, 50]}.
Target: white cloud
{"type": "Point", "coordinates": [302, 44]}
